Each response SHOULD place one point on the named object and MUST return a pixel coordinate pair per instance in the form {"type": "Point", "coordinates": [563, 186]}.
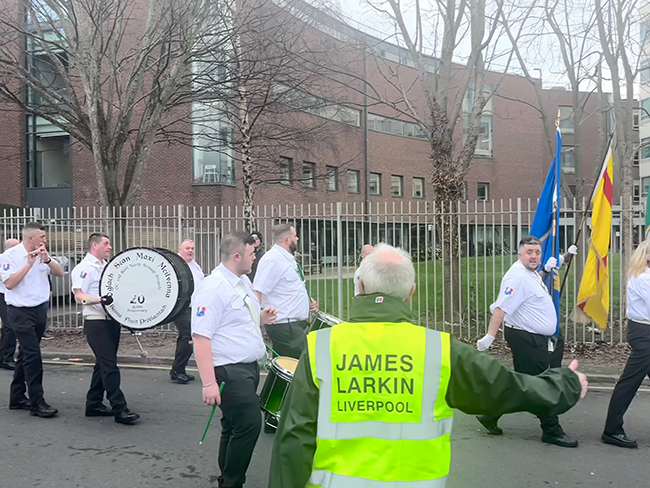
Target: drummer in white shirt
{"type": "Point", "coordinates": [228, 345]}
{"type": "Point", "coordinates": [280, 283]}
{"type": "Point", "coordinates": [183, 323]}
{"type": "Point", "coordinates": [7, 336]}
{"type": "Point", "coordinates": [526, 306]}
{"type": "Point", "coordinates": [102, 334]}
{"type": "Point", "coordinates": [24, 271]}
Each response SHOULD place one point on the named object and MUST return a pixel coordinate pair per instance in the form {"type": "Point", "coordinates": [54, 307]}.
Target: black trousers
{"type": "Point", "coordinates": [289, 338]}
{"type": "Point", "coordinates": [7, 336]}
{"type": "Point", "coordinates": [28, 324]}
{"type": "Point", "coordinates": [103, 337]}
{"type": "Point", "coordinates": [636, 369]}
{"type": "Point", "coordinates": [184, 347]}
{"type": "Point", "coordinates": [530, 356]}
{"type": "Point", "coordinates": [241, 421]}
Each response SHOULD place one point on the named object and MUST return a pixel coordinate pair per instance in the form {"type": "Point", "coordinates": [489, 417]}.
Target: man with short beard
{"type": "Point", "coordinates": [280, 283]}
{"type": "Point", "coordinates": [527, 311]}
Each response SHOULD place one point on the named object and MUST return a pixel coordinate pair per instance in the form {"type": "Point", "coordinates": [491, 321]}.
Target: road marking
{"type": "Point", "coordinates": [128, 366]}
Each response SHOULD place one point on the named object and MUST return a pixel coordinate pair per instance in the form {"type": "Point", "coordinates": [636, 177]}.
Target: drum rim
{"type": "Point", "coordinates": [172, 264]}
{"type": "Point", "coordinates": [319, 314]}
{"type": "Point", "coordinates": [282, 371]}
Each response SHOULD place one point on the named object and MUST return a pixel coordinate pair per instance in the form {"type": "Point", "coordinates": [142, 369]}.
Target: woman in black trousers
{"type": "Point", "coordinates": [638, 336]}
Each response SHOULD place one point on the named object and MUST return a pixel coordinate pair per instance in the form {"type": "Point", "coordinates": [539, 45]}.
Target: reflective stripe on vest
{"type": "Point", "coordinates": [405, 440]}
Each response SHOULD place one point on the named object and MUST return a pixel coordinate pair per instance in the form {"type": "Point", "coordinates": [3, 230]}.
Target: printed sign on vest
{"type": "Point", "coordinates": [377, 376]}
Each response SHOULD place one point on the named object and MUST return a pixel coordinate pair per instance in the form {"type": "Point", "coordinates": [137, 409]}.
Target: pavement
{"type": "Point", "coordinates": [163, 450]}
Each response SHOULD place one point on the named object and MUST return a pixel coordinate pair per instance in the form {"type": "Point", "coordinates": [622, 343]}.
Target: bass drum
{"type": "Point", "coordinates": [149, 286]}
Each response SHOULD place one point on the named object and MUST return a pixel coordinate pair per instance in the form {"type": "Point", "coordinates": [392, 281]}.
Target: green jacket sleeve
{"type": "Point", "coordinates": [295, 440]}
{"type": "Point", "coordinates": [480, 384]}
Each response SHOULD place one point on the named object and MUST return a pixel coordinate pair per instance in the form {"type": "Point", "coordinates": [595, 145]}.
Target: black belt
{"type": "Point", "coordinates": [290, 322]}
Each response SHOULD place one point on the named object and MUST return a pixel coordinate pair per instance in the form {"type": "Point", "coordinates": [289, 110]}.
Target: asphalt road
{"type": "Point", "coordinates": [163, 450]}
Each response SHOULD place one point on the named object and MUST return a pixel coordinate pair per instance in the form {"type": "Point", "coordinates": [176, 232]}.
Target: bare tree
{"type": "Point", "coordinates": [122, 75]}
{"type": "Point", "coordinates": [455, 97]}
{"type": "Point", "coordinates": [616, 21]}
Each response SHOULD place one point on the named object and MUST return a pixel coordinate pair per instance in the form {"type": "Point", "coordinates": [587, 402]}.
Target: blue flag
{"type": "Point", "coordinates": [546, 226]}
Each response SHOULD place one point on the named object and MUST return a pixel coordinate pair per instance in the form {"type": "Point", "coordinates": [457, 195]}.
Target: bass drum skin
{"type": "Point", "coordinates": [149, 286]}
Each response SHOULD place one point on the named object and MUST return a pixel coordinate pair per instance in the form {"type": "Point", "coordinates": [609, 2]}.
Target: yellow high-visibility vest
{"type": "Point", "coordinates": [382, 412]}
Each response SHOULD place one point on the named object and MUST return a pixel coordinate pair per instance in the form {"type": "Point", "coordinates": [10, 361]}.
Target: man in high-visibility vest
{"type": "Point", "coordinates": [372, 399]}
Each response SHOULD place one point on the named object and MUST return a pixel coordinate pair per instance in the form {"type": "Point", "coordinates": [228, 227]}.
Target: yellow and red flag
{"type": "Point", "coordinates": [593, 295]}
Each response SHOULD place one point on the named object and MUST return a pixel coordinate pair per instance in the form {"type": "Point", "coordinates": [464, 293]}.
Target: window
{"type": "Point", "coordinates": [635, 120]}
{"type": "Point", "coordinates": [353, 181]}
{"type": "Point", "coordinates": [485, 142]}
{"type": "Point", "coordinates": [645, 31]}
{"type": "Point", "coordinates": [49, 159]}
{"type": "Point", "coordinates": [645, 109]}
{"type": "Point", "coordinates": [645, 71]}
{"type": "Point", "coordinates": [331, 178]}
{"type": "Point", "coordinates": [566, 120]}
{"type": "Point", "coordinates": [396, 186]}
{"type": "Point", "coordinates": [567, 161]}
{"type": "Point", "coordinates": [636, 195]}
{"type": "Point", "coordinates": [317, 106]}
{"type": "Point", "coordinates": [635, 160]}
{"type": "Point", "coordinates": [483, 192]}
{"type": "Point", "coordinates": [645, 182]}
{"type": "Point", "coordinates": [374, 183]}
{"type": "Point", "coordinates": [213, 149]}
{"type": "Point", "coordinates": [645, 148]}
{"type": "Point", "coordinates": [308, 172]}
{"type": "Point", "coordinates": [418, 187]}
{"type": "Point", "coordinates": [285, 171]}
{"type": "Point", "coordinates": [394, 126]}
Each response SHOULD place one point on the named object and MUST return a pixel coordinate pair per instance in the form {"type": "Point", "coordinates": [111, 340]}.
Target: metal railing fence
{"type": "Point", "coordinates": [452, 294]}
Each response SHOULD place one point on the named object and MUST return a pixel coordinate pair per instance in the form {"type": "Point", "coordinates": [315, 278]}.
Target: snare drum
{"type": "Point", "coordinates": [149, 287]}
{"type": "Point", "coordinates": [277, 384]}
{"type": "Point", "coordinates": [322, 320]}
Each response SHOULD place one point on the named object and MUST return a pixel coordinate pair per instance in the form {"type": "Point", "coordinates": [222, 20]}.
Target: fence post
{"type": "Point", "coordinates": [339, 256]}
{"type": "Point", "coordinates": [518, 222]}
{"type": "Point", "coordinates": [179, 222]}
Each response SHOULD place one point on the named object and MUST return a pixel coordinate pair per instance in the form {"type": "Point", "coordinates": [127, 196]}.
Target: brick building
{"type": "Point", "coordinates": [377, 155]}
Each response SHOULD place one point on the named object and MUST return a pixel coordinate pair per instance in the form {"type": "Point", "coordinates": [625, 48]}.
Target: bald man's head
{"type": "Point", "coordinates": [9, 243]}
{"type": "Point", "coordinates": [367, 249]}
{"type": "Point", "coordinates": [388, 270]}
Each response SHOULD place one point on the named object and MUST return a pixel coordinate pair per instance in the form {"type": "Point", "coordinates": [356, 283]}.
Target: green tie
{"type": "Point", "coordinates": [299, 271]}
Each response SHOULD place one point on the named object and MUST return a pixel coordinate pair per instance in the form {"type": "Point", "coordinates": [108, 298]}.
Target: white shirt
{"type": "Point", "coordinates": [526, 301]}
{"type": "Point", "coordinates": [278, 280]}
{"type": "Point", "coordinates": [223, 314]}
{"type": "Point", "coordinates": [3, 288]}
{"type": "Point", "coordinates": [197, 273]}
{"type": "Point", "coordinates": [356, 282]}
{"type": "Point", "coordinates": [638, 297]}
{"type": "Point", "coordinates": [34, 289]}
{"type": "Point", "coordinates": [85, 277]}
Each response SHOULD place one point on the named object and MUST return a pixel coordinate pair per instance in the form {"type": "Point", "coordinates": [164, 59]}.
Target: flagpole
{"type": "Point", "coordinates": [554, 249]}
{"type": "Point", "coordinates": [586, 212]}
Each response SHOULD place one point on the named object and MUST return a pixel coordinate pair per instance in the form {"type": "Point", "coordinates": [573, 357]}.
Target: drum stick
{"type": "Point", "coordinates": [143, 353]}
{"type": "Point", "coordinates": [214, 407]}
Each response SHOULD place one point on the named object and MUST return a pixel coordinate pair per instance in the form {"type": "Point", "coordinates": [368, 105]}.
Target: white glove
{"type": "Point", "coordinates": [573, 249]}
{"type": "Point", "coordinates": [550, 264]}
{"type": "Point", "coordinates": [561, 261]}
{"type": "Point", "coordinates": [484, 343]}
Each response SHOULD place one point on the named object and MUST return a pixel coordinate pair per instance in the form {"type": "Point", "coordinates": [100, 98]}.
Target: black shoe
{"type": "Point", "coordinates": [180, 378]}
{"type": "Point", "coordinates": [43, 410]}
{"type": "Point", "coordinates": [126, 417]}
{"type": "Point", "coordinates": [490, 425]}
{"type": "Point", "coordinates": [11, 365]}
{"type": "Point", "coordinates": [20, 405]}
{"type": "Point", "coordinates": [101, 411]}
{"type": "Point", "coordinates": [620, 440]}
{"type": "Point", "coordinates": [561, 440]}
{"type": "Point", "coordinates": [190, 376]}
